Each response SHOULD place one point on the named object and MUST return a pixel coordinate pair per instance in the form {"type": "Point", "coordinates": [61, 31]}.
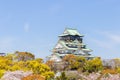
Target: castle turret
{"type": "Point", "coordinates": [70, 42]}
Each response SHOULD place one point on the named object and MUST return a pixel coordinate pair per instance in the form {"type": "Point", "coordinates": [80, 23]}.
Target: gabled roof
{"type": "Point", "coordinates": [69, 31]}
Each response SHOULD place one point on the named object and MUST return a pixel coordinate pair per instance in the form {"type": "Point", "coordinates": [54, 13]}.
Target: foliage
{"type": "Point", "coordinates": [116, 63]}
{"type": "Point", "coordinates": [70, 62]}
{"type": "Point", "coordinates": [62, 77]}
{"type": "Point", "coordinates": [110, 71]}
{"type": "Point", "coordinates": [108, 63]}
{"type": "Point", "coordinates": [36, 66]}
{"type": "Point", "coordinates": [56, 66]}
{"type": "Point", "coordinates": [40, 60]}
{"type": "Point", "coordinates": [34, 77]}
{"type": "Point", "coordinates": [40, 68]}
{"type": "Point", "coordinates": [21, 65]}
{"type": "Point", "coordinates": [118, 70]}
{"type": "Point", "coordinates": [50, 63]}
{"type": "Point", "coordinates": [10, 56]}
{"type": "Point", "coordinates": [2, 73]}
{"type": "Point", "coordinates": [93, 65]}
{"type": "Point", "coordinates": [24, 56]}
{"type": "Point", "coordinates": [72, 75]}
{"type": "Point", "coordinates": [48, 75]}
{"type": "Point", "coordinates": [5, 63]}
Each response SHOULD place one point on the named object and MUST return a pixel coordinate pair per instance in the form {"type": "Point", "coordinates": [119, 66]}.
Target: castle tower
{"type": "Point", "coordinates": [70, 42]}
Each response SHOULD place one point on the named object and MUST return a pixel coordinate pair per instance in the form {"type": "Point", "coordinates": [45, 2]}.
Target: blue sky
{"type": "Point", "coordinates": [34, 25]}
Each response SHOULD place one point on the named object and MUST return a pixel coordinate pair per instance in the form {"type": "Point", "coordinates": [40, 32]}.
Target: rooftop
{"type": "Point", "coordinates": [70, 31]}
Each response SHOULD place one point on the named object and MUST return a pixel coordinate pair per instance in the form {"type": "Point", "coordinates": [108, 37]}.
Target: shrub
{"type": "Point", "coordinates": [62, 77]}
{"type": "Point", "coordinates": [118, 70]}
{"type": "Point", "coordinates": [72, 62]}
{"type": "Point", "coordinates": [48, 75]}
{"type": "Point", "coordinates": [2, 73]}
{"type": "Point", "coordinates": [93, 65]}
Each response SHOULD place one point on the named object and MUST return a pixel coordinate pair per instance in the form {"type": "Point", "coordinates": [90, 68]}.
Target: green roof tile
{"type": "Point", "coordinates": [69, 31]}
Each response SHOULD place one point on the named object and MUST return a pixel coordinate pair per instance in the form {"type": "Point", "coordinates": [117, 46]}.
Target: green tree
{"type": "Point", "coordinates": [25, 64]}
{"type": "Point", "coordinates": [93, 65]}
{"type": "Point", "coordinates": [40, 68]}
{"type": "Point", "coordinates": [51, 64]}
{"type": "Point", "coordinates": [70, 62]}
{"type": "Point", "coordinates": [24, 56]}
{"type": "Point", "coordinates": [62, 77]}
{"type": "Point", "coordinates": [73, 62]}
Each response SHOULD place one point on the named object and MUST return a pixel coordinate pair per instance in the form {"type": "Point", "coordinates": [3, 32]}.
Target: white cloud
{"type": "Point", "coordinates": [26, 27]}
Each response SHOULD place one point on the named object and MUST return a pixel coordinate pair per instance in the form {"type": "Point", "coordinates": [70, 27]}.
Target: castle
{"type": "Point", "coordinates": [70, 42]}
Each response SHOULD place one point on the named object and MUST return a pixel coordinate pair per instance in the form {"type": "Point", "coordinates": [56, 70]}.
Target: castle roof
{"type": "Point", "coordinates": [70, 31]}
